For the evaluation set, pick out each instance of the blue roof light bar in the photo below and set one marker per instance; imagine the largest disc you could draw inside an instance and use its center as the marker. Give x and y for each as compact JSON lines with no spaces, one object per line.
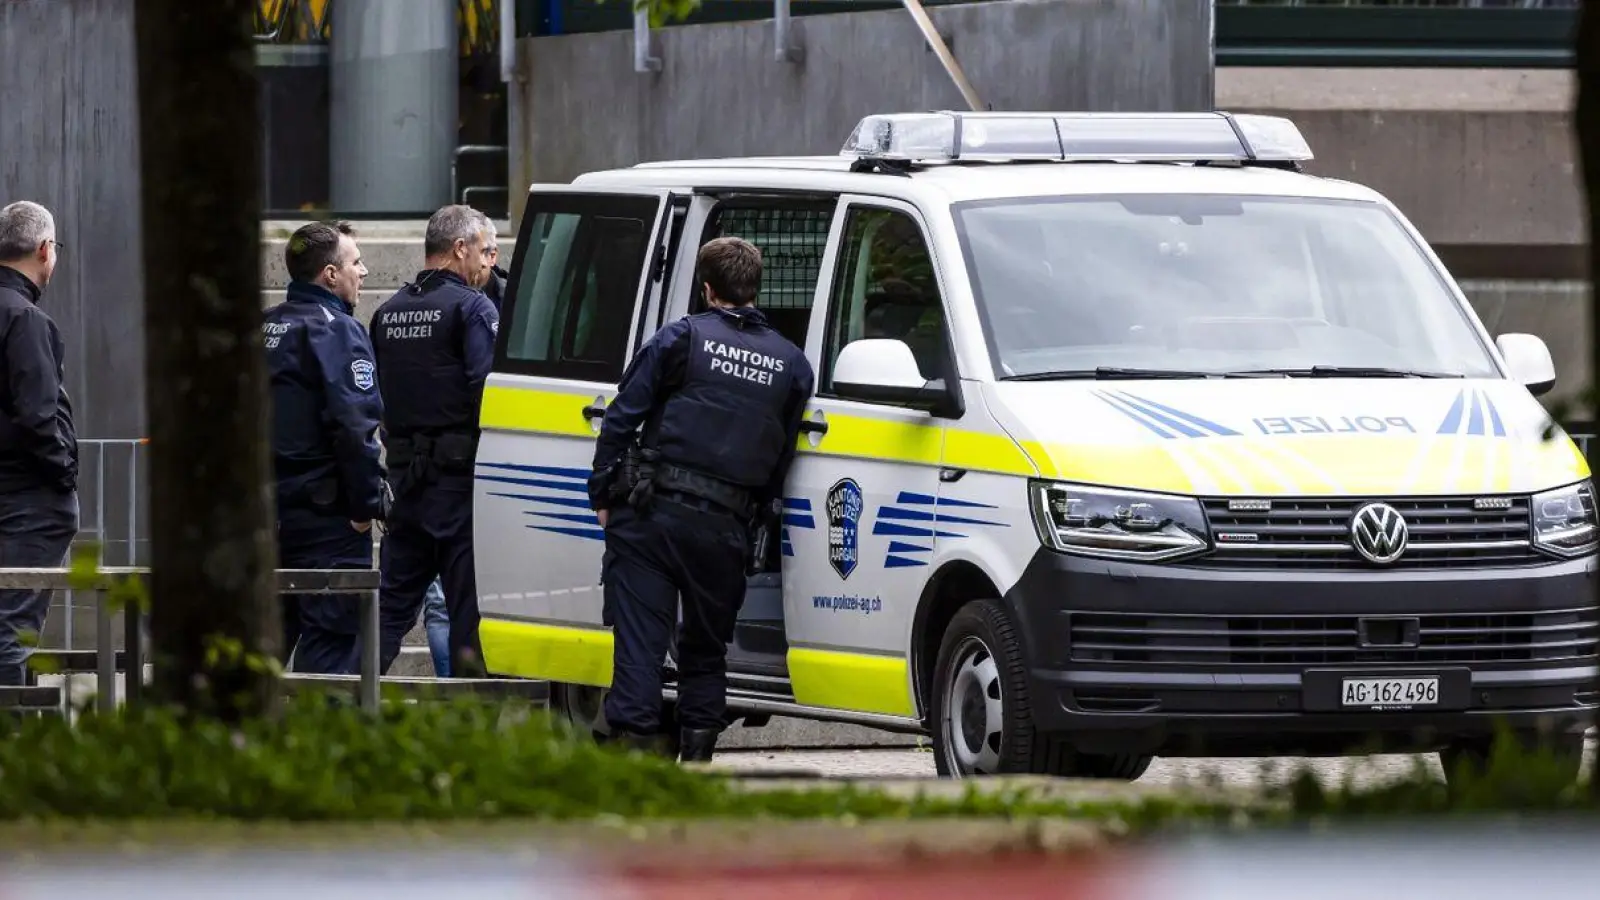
{"x":1134,"y":137}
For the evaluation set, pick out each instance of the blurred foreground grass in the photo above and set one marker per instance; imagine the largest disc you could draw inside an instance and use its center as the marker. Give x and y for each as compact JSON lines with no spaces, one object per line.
{"x":477,"y":770}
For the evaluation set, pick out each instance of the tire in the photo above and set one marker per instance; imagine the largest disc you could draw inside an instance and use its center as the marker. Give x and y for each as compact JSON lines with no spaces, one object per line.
{"x":582,"y":707}
{"x":982,"y":715}
{"x":1475,"y":753}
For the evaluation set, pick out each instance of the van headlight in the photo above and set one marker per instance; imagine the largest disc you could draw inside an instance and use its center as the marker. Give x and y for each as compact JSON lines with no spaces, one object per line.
{"x":1564,"y":521}
{"x":1116,"y":524}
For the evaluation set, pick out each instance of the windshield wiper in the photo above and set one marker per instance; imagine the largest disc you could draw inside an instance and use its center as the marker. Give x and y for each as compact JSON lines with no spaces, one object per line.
{"x":1357,"y":372}
{"x":1110,"y":373}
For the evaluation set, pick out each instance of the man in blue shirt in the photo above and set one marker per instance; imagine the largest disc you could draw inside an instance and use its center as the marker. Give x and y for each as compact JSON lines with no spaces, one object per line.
{"x":326,"y":411}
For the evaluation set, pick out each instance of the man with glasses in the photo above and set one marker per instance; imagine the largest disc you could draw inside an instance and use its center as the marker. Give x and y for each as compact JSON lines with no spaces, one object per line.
{"x":38,"y":442}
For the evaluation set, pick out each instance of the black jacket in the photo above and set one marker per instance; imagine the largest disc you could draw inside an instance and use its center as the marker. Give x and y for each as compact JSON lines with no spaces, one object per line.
{"x":495,"y":288}
{"x":38,"y":443}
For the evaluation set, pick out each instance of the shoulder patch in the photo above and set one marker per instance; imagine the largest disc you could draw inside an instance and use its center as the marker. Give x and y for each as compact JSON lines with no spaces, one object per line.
{"x":361,"y":371}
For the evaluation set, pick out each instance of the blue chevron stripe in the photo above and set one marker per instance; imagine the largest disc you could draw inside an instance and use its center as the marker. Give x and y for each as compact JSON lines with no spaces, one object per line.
{"x":593,"y":534}
{"x":1122,"y":407}
{"x":539,"y":470}
{"x":930,"y":500}
{"x":538,"y":483}
{"x":1151,"y":407}
{"x":901,"y":562}
{"x":574,"y":502}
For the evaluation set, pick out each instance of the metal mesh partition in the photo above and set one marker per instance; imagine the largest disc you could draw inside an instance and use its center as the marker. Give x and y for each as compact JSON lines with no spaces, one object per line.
{"x":791,"y":241}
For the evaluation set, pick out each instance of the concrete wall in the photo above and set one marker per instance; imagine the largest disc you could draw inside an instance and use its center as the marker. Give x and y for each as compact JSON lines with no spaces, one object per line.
{"x":70,"y":141}
{"x":1483,"y":161}
{"x":578,"y":105}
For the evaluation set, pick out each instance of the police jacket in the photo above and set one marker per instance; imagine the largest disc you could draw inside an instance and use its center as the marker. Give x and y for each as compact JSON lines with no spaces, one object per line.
{"x":38,"y":442}
{"x":719,"y":393}
{"x":434,"y":341}
{"x":325,"y":406}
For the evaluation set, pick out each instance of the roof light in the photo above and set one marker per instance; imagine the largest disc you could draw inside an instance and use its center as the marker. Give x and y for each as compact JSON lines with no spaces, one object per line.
{"x":1177,"y":137}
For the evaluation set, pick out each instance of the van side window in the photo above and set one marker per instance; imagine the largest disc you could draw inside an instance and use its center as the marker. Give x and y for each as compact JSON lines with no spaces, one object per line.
{"x":791,"y":236}
{"x":885,"y":288}
{"x":579,"y":263}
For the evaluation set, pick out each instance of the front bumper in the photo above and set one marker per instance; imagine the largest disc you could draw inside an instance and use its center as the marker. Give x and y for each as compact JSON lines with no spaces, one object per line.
{"x":1175,"y":660}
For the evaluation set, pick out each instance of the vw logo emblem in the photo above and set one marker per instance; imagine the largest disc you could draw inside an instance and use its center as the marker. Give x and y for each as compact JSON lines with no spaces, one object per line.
{"x":1379,"y":533}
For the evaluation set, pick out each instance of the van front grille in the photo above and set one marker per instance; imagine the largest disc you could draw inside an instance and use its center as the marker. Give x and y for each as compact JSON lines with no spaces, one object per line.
{"x":1444,"y":532}
{"x":1440,"y":639}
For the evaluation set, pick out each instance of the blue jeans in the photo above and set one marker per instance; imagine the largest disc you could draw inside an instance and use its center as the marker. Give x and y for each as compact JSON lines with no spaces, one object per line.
{"x":436,"y":618}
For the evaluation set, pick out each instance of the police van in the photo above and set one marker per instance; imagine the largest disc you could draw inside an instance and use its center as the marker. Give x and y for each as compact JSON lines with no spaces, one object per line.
{"x":1130,"y":439}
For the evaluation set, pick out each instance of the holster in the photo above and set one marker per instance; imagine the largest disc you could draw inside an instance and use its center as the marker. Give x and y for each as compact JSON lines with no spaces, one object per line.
{"x":634,"y":483}
{"x":761,"y":535}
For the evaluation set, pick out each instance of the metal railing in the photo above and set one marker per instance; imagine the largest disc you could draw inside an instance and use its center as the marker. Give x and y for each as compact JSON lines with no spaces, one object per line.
{"x":363,"y":582}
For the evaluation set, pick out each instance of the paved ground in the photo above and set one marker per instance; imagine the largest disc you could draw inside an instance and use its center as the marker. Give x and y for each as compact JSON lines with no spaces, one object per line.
{"x":1231,"y":772}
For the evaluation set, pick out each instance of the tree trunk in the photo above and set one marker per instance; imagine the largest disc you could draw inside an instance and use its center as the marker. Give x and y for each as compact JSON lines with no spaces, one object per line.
{"x":1586,"y":123}
{"x":214,"y":609}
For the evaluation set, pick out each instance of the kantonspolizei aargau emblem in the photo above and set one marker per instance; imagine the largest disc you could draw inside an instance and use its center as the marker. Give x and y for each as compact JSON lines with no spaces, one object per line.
{"x":844,"y":526}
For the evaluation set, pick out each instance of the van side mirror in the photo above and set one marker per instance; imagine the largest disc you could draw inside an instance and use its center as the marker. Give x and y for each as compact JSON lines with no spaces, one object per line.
{"x":1528,"y":358}
{"x":880,"y":370}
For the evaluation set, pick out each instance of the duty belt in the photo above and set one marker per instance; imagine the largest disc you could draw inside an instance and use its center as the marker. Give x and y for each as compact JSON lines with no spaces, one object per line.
{"x":641,"y":473}
{"x":414,"y":458}
{"x":732,"y":497}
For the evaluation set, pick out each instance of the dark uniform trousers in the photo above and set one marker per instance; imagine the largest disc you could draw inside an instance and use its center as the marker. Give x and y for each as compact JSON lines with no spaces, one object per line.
{"x":428,"y":535}
{"x":37,"y":526}
{"x":679,"y":547}
{"x":323,"y":630}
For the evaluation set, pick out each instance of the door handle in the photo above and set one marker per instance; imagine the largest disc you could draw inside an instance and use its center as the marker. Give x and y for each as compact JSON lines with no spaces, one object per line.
{"x":807,"y":426}
{"x":594,"y":411}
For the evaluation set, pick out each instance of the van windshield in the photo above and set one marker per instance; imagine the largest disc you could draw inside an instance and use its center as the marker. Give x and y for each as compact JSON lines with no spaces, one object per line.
{"x":1209,"y":284}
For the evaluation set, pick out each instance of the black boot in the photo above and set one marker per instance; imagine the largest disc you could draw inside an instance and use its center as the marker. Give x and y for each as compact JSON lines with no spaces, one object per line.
{"x":697,"y":744}
{"x":649,"y":744}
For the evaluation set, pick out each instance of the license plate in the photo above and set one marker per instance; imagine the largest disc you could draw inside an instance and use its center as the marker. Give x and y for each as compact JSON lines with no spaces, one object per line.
{"x":1391,"y":693}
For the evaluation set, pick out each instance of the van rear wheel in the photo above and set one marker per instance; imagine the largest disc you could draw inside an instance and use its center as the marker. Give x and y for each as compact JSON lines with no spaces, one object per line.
{"x":582,"y":707}
{"x":982,"y":714}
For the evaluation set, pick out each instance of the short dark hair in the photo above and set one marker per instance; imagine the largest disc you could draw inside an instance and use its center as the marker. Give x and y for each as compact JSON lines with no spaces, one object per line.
{"x":732,"y":266}
{"x":312,"y":247}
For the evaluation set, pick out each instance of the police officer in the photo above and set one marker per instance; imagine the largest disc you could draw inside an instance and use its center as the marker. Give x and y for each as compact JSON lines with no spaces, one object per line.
{"x":325,"y":453}
{"x":434,"y":341}
{"x":495,"y":287}
{"x":38,"y":442}
{"x":716,"y":399}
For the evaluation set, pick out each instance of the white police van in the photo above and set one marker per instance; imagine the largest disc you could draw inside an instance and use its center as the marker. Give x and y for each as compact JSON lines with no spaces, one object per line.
{"x":1130,"y":439}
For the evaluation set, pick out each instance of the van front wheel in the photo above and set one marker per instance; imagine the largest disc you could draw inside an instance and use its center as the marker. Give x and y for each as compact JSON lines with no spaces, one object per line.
{"x":982,"y":723}
{"x":982,"y":714}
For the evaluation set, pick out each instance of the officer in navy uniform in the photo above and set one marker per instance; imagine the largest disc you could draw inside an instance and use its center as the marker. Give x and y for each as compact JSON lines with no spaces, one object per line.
{"x":434,"y":341}
{"x":716,"y":400}
{"x":325,"y":454}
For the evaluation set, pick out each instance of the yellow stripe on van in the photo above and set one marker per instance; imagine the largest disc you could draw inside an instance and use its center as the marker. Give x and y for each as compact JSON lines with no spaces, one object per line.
{"x":540,"y":412}
{"x":851,"y":681}
{"x":551,"y":652}
{"x":553,"y":412}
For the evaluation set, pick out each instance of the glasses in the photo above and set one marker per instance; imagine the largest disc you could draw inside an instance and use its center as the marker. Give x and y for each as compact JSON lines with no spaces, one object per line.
{"x":59,"y":247}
